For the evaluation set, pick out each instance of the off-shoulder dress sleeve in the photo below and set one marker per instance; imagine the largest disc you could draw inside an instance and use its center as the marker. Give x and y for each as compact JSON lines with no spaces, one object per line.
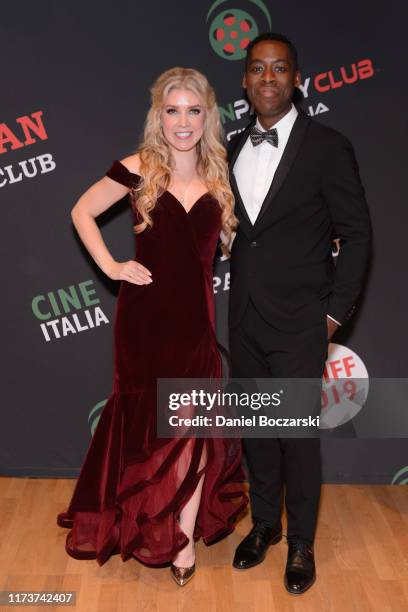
{"x":119,"y":173}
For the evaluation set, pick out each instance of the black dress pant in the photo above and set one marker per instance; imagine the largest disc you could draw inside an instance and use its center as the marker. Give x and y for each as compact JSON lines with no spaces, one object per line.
{"x":261,"y":351}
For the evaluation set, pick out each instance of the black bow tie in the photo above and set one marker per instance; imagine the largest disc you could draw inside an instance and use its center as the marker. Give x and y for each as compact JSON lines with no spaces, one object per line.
{"x":257,"y":136}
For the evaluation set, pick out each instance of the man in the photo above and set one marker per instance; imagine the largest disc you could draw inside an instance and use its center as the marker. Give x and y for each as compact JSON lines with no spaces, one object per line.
{"x":297,"y":187}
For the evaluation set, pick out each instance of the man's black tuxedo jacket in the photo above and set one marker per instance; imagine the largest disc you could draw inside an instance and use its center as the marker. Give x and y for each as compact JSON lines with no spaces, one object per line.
{"x":284,"y":261}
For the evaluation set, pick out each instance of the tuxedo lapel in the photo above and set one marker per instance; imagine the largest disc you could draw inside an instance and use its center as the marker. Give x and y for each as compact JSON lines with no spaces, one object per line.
{"x":245,"y":222}
{"x":235,"y":149}
{"x":241,"y":211}
{"x":296,"y":137}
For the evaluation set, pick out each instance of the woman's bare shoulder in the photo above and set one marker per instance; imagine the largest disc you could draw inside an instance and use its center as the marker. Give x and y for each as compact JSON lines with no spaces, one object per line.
{"x":132,"y":163}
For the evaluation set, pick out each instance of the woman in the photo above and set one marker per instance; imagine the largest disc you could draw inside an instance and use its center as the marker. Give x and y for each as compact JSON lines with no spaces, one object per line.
{"x":137,"y":494}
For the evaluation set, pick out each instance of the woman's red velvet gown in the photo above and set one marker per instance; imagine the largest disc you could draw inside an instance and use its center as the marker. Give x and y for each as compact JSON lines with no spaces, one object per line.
{"x":133,"y":484}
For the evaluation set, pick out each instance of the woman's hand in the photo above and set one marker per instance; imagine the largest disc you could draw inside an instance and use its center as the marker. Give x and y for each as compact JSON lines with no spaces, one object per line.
{"x":130,"y":271}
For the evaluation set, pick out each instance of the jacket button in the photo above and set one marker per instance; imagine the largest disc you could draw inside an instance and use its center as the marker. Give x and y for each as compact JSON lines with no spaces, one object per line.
{"x":253,"y":244}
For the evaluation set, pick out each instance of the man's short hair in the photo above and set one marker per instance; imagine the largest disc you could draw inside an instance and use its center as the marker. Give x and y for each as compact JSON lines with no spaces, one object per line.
{"x":273,"y":36}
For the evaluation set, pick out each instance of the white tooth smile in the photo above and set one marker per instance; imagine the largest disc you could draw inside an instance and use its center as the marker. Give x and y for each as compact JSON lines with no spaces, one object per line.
{"x":183,"y":134}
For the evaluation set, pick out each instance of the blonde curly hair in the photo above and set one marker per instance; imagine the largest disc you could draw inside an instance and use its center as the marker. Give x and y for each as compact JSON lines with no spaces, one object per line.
{"x":156,"y":162}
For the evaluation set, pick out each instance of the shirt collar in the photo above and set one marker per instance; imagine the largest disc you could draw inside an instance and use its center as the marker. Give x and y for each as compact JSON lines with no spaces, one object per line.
{"x":284,"y":124}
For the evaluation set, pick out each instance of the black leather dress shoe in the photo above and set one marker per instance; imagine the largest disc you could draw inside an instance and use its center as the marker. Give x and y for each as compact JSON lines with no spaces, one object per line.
{"x":252,"y":549}
{"x":300,"y":571}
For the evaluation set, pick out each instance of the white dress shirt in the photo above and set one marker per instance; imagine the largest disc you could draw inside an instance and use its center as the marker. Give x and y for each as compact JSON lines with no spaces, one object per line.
{"x":263,"y":161}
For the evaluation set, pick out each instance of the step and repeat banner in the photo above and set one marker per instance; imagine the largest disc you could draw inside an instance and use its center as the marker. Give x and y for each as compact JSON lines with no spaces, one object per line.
{"x":75,"y":92}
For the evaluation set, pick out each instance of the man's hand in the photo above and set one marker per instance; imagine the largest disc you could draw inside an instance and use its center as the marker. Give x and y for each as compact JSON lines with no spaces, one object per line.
{"x":331,"y":327}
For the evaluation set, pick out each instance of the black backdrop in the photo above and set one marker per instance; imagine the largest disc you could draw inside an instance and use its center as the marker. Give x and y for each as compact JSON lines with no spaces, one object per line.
{"x":75,"y":79}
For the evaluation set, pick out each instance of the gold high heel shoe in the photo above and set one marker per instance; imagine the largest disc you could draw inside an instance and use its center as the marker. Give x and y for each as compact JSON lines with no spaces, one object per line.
{"x":182,"y":575}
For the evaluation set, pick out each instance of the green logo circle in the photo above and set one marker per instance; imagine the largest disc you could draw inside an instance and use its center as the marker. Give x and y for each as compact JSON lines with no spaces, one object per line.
{"x":231,"y":32}
{"x":94,"y":415}
{"x":401,"y":477}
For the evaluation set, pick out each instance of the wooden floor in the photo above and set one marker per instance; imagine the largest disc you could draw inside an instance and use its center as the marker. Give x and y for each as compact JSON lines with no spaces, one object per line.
{"x":361,"y":554}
